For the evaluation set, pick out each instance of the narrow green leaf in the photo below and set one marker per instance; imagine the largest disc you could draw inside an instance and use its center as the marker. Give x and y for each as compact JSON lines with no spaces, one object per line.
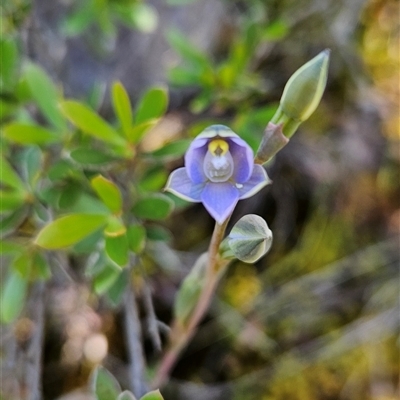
{"x":122,"y":106}
{"x":8,"y":176}
{"x":10,"y":200}
{"x":88,"y":156}
{"x":116,"y":292}
{"x":108,"y":192}
{"x":136,"y":238}
{"x":28,"y":134}
{"x":152,"y":105}
{"x":13,"y":297}
{"x":68,"y":230}
{"x":153,"y":207}
{"x":8,"y":62}
{"x":154,"y":395}
{"x":91,"y":123}
{"x":23,"y":264}
{"x":154,"y":179}
{"x":136,"y":133}
{"x":117,"y":249}
{"x":40,"y":268}
{"x":104,"y":385}
{"x":10,"y":247}
{"x":45,"y":94}
{"x":179,"y":76}
{"x":11,"y":222}
{"x":30,"y":162}
{"x":126,"y":395}
{"x":105,"y":279}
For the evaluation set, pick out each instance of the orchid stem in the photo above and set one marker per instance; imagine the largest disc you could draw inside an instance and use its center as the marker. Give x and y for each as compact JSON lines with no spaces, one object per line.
{"x":181,"y":335}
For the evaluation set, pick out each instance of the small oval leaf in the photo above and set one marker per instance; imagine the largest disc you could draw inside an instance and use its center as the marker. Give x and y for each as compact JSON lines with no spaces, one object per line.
{"x":68,"y":230}
{"x":91,"y":123}
{"x":29,"y":134}
{"x":153,"y":207}
{"x":108,"y":192}
{"x":13,"y":295}
{"x":104,"y":385}
{"x":152,"y":105}
{"x":122,"y":106}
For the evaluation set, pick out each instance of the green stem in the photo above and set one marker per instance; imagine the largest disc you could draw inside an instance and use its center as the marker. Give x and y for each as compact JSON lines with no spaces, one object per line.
{"x":181,"y":335}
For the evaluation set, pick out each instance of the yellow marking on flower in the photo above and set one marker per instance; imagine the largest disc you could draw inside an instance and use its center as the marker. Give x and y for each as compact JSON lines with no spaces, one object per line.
{"x":218,"y":147}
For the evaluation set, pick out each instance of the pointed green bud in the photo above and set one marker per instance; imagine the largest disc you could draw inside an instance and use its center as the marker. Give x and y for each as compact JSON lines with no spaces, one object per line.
{"x":302,"y":93}
{"x":250,"y":238}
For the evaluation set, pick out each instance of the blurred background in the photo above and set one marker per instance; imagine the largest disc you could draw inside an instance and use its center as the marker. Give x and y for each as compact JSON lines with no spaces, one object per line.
{"x":318,"y":317}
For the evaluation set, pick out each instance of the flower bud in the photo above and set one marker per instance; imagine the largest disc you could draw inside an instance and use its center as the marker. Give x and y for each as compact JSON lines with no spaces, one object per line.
{"x":302,"y":93}
{"x":250,"y":238}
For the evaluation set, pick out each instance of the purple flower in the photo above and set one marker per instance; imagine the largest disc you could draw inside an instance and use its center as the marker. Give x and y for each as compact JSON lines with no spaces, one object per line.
{"x":219,"y":171}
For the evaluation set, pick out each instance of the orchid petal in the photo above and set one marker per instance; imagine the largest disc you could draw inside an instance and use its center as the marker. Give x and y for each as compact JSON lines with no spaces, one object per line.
{"x":242,"y":156}
{"x":194,"y":160}
{"x":181,"y":185}
{"x":257,"y":181}
{"x":220,"y":199}
{"x":217,"y":130}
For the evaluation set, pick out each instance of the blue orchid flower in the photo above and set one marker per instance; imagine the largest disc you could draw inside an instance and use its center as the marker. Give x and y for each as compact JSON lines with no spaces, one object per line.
{"x":219,"y":171}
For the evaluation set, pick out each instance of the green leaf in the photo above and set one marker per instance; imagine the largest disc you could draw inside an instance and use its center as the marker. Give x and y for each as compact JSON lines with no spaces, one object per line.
{"x":104,"y":385}
{"x":154,"y":179}
{"x":30,"y":163}
{"x":154,"y":395}
{"x":122,"y":106}
{"x":158,"y":233}
{"x":91,"y":123}
{"x":179,"y":76}
{"x":152,"y":105}
{"x":10,"y":247}
{"x":45,"y":94}
{"x":137,"y":132}
{"x":172,"y":150}
{"x":28,"y":134}
{"x":115,"y":227}
{"x":186,"y":49}
{"x":40,"y":268}
{"x":108,"y":192}
{"x":136,"y":238}
{"x":190,"y":289}
{"x":276,"y":30}
{"x":23,"y":264}
{"x":8,"y":62}
{"x":153,"y":207}
{"x":13,"y":297}
{"x":69,"y":195}
{"x":88,"y":156}
{"x":9,"y":177}
{"x":68,"y":230}
{"x":126,"y":395}
{"x":10,"y":200}
{"x":10,"y":223}
{"x":116,"y":292}
{"x":105,"y":279}
{"x":117,"y":249}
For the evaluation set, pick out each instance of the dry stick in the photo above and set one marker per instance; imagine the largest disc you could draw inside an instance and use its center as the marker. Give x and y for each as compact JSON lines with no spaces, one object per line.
{"x":133,"y":335}
{"x":180,"y":336}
